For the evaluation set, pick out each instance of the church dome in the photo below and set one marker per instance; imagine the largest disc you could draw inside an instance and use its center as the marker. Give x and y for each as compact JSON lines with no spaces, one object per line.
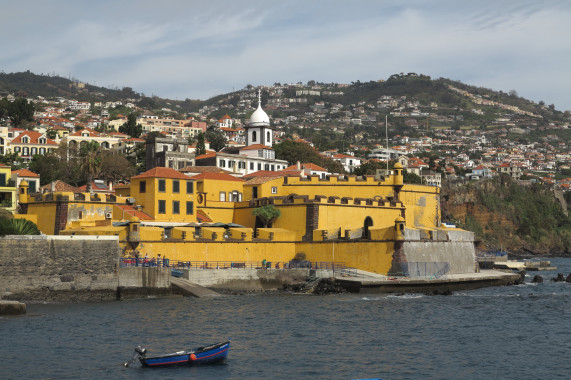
{"x":259,"y":118}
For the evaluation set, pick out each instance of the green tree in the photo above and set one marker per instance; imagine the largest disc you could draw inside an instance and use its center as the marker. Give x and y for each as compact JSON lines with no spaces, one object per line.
{"x":267,"y":214}
{"x":216,"y":138}
{"x":17,"y":111}
{"x":91,"y":162}
{"x":115,"y":167}
{"x":200,"y":146}
{"x":131,"y":127}
{"x":10,"y":226}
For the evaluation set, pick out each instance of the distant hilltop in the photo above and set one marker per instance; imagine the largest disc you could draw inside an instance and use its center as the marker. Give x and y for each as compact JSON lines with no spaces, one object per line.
{"x":420,"y":91}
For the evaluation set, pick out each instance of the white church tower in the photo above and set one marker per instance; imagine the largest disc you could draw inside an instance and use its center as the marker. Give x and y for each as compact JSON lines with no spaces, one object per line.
{"x":258,"y":129}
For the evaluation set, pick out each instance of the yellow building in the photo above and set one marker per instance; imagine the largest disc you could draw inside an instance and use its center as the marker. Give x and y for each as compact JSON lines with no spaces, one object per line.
{"x":165,"y":194}
{"x":8,"y":200}
{"x":370,"y":223}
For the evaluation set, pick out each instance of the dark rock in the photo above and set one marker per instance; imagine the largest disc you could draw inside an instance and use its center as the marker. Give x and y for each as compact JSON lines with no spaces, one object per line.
{"x":568,"y":279}
{"x":559,"y":278}
{"x":537,"y":279}
{"x":521,"y":279}
{"x":327,"y":285}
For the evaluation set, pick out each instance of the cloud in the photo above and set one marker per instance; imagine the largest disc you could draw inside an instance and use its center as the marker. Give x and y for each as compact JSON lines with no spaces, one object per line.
{"x":198,"y":49}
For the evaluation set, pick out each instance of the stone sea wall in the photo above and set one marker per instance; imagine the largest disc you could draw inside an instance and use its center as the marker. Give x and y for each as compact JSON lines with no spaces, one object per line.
{"x":455,"y":247}
{"x":58,"y":267}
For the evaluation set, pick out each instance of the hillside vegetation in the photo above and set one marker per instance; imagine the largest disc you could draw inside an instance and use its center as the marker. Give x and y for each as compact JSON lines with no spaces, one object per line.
{"x":505,"y":215}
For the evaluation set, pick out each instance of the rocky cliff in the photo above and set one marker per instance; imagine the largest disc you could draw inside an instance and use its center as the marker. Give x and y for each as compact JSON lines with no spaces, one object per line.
{"x":523,"y":219}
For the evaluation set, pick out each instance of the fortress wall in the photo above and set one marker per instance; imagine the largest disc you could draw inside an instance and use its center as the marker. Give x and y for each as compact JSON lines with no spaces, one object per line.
{"x":43,"y":264}
{"x":460,"y":255}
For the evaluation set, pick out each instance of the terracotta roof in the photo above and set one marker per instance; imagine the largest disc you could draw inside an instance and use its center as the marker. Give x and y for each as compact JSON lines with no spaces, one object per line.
{"x":345,"y":156}
{"x":261,"y":180}
{"x":202,"y":217}
{"x":256,"y":146}
{"x":267,"y":173}
{"x":206,"y":155}
{"x":89,"y":130}
{"x":203,"y":169}
{"x":132,"y":211}
{"x":161,"y":172}
{"x":25,"y":173}
{"x":217,"y":177}
{"x":59,"y":186}
{"x":309,"y":165}
{"x":34,"y":136}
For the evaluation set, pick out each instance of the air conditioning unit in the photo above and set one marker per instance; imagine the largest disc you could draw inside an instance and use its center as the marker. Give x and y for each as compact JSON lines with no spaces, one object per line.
{"x":108,"y":215}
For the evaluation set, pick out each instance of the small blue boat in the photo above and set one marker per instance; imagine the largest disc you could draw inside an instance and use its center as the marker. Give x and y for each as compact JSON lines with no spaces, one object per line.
{"x":201,"y":355}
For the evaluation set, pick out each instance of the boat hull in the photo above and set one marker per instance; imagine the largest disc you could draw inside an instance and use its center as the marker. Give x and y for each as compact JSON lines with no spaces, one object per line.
{"x":203,"y":355}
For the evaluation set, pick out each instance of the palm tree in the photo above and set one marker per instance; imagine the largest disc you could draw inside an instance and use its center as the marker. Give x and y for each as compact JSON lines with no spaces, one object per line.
{"x":91,"y":162}
{"x":18,"y":227}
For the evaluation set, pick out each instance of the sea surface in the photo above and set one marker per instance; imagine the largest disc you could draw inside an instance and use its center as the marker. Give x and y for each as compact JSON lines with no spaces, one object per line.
{"x":515,"y":332}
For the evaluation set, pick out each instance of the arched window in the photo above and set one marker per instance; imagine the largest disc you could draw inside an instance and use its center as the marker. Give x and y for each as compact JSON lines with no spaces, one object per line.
{"x":268,"y":139}
{"x":254,"y":136}
{"x":367,"y":225}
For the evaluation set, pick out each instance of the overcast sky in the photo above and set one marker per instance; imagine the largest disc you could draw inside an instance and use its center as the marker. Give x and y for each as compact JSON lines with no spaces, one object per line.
{"x":198,"y":49}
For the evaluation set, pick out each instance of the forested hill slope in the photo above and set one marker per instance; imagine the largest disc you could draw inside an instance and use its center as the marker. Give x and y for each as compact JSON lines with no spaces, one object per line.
{"x":521,"y":219}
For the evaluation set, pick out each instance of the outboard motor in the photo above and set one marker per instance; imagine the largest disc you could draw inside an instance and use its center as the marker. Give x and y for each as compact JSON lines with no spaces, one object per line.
{"x":139,"y":353}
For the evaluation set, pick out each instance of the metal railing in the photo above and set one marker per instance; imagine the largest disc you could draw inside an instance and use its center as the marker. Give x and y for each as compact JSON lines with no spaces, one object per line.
{"x":181,"y":264}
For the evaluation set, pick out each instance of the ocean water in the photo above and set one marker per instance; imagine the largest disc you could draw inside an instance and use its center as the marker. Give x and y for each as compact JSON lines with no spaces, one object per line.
{"x":493,"y":333}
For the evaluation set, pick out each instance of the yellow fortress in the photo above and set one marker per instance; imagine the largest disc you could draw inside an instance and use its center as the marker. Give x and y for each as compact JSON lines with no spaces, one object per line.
{"x":372,"y":223}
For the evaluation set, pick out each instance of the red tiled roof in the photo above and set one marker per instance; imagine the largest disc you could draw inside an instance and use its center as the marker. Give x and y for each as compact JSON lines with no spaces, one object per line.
{"x":26,"y":173}
{"x":217,"y":177}
{"x":206,"y":155}
{"x":34,"y":136}
{"x":256,"y":146}
{"x":309,"y":165}
{"x":203,"y":169}
{"x":161,"y":172}
{"x":267,"y":173}
{"x":132,"y":211}
{"x":89,"y":130}
{"x":202,"y":217}
{"x":60,"y":186}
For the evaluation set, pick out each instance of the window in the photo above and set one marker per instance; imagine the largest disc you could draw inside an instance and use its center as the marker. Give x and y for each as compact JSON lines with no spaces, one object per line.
{"x":162,"y":185}
{"x":254,"y":136}
{"x":80,"y":215}
{"x":25,"y":140}
{"x":222,"y":163}
{"x":176,"y":207}
{"x":189,"y":187}
{"x":251,"y":166}
{"x":142,"y":187}
{"x":42,"y":151}
{"x":34,"y":151}
{"x":16,"y":149}
{"x":175,"y":186}
{"x":259,"y":166}
{"x":189,"y":208}
{"x":274,"y":189}
{"x":222,"y":196}
{"x":162,"y":207}
{"x":268,"y":137}
{"x":235,"y":196}
{"x":25,"y":151}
